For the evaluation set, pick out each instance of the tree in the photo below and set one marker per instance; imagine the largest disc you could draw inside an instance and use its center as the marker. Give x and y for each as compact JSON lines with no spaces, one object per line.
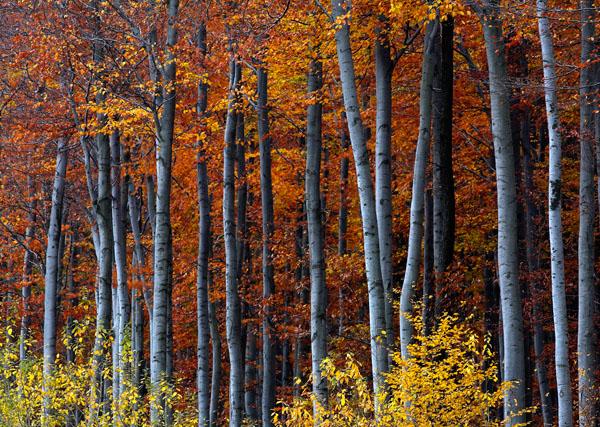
{"x":559,"y":303}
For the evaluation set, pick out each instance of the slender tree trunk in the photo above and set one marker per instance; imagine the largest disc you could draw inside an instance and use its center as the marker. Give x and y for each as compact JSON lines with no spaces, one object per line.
{"x":266,"y":191}
{"x":557,"y":259}
{"x":250,"y":374}
{"x":27,"y":270}
{"x":443,"y":179}
{"x":379,"y":357}
{"x":343,"y":215}
{"x":318,"y":288}
{"x":162,"y":233}
{"x":383,"y":171}
{"x":51,"y":275}
{"x":415,"y":238}
{"x":585,"y":324}
{"x":508,"y":265}
{"x":120,"y":250}
{"x":203,"y":381}
{"x":233,"y":309}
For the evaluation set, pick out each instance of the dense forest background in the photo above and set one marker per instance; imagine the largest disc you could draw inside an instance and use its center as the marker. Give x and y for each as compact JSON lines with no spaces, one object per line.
{"x":299,"y":213}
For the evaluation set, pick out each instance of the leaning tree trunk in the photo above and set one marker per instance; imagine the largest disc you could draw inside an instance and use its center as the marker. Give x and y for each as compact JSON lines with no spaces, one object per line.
{"x":415,"y":236}
{"x":266,"y":192}
{"x":557,"y":259}
{"x":379,"y":356}
{"x":233,"y":308}
{"x":508,"y":264}
{"x":585,"y":324}
{"x":318,"y":288}
{"x":52,"y":266}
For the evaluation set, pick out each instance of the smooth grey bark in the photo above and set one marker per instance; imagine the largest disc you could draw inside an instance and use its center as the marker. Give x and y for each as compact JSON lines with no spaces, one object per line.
{"x":318,"y":287}
{"x":557,"y":258}
{"x":51,"y":278}
{"x":162,"y":233}
{"x":203,"y":354}
{"x":123,"y":313}
{"x":266,"y":192}
{"x":508,"y":264}
{"x":586,"y":350}
{"x":379,"y":354}
{"x":443,"y":178}
{"x":27,"y":270}
{"x":233,"y":307}
{"x":103,"y":216}
{"x":383,"y":171}
{"x":417,"y":204}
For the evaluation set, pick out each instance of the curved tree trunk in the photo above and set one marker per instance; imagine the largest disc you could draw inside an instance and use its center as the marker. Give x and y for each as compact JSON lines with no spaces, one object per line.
{"x":52,"y":266}
{"x":557,"y":259}
{"x":417,"y":205}
{"x":379,"y":354}
{"x":508,"y":264}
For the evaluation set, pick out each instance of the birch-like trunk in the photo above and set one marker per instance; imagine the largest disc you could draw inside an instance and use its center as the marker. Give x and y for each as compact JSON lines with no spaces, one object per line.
{"x":417,"y":204}
{"x":557,"y":258}
{"x":266,"y":192}
{"x":379,"y":356}
{"x":508,"y":264}
{"x":52,"y":266}
{"x":585,"y":323}
{"x":343,"y":215}
{"x":123,"y":313}
{"x":233,"y":308}
{"x":318,"y":288}
{"x":216,"y":372}
{"x":383,"y":172}
{"x":203,"y":350}
{"x":162,"y":233}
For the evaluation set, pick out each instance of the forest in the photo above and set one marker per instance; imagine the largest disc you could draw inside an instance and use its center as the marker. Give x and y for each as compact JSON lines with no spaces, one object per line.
{"x":282,"y":213}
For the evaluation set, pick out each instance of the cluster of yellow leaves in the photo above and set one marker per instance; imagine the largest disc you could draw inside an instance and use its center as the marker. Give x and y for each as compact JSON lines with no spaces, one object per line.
{"x":67,"y":392}
{"x":424,"y":12}
{"x":443,"y":383}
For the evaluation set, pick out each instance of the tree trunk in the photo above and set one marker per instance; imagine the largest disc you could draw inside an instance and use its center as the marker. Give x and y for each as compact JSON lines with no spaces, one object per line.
{"x":51,"y":274}
{"x":508,"y":265}
{"x":343,"y":215}
{"x":123,"y":313}
{"x":266,"y":192}
{"x":379,"y":357}
{"x":415,"y":237}
{"x":557,"y":259}
{"x":383,"y":171}
{"x":585,"y":326}
{"x":233,"y":309}
{"x":203,"y":381}
{"x":162,"y":234}
{"x":443,"y":178}
{"x":215,"y":382}
{"x":318,"y":288}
